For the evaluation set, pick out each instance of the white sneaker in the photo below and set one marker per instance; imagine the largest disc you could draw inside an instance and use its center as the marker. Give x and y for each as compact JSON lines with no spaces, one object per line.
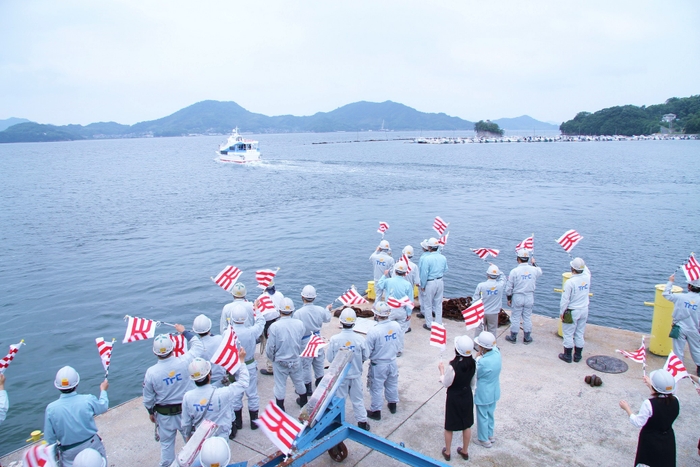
{"x":492,"y":439}
{"x":486,"y":444}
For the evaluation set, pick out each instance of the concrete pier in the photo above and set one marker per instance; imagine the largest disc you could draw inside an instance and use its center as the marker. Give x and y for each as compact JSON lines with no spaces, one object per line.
{"x":547,"y":414}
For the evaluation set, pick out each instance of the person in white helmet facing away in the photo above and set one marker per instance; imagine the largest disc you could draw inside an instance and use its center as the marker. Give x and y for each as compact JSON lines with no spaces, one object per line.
{"x":247,"y":337}
{"x":215,"y":452}
{"x":70,"y":420}
{"x":206,"y":402}
{"x":313,"y":317}
{"x":352,"y":385}
{"x":459,"y":380}
{"x":488,"y":387}
{"x":413,"y":276}
{"x":89,"y":458}
{"x":657,"y":441}
{"x":164,"y":386}
{"x":383,"y":373}
{"x":573,"y":310}
{"x":520,"y":293}
{"x":4,"y":400}
{"x":398,"y":287}
{"x":283,"y":349}
{"x":202,"y":327}
{"x":381,"y":261}
{"x":686,"y":313}
{"x":421,"y":293}
{"x":432,"y":266}
{"x":491,"y":294}
{"x":239,"y":293}
{"x":270,"y":317}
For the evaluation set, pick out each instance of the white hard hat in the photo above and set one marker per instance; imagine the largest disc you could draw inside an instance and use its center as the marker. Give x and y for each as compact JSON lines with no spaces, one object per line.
{"x":308,"y":292}
{"x":199,"y":369}
{"x":238,"y":313}
{"x":66,"y":378}
{"x":424,"y":244}
{"x":287,"y":306}
{"x":401,"y":267}
{"x":695,"y":283}
{"x":162,"y":345}
{"x":89,"y":458}
{"x":201,"y":324}
{"x":464,"y":345}
{"x":662,"y":381}
{"x":383,"y":245}
{"x":433,"y":242}
{"x":381,"y":309}
{"x":493,"y":271}
{"x":408,"y":251}
{"x":348,"y":316}
{"x":523,"y":253}
{"x":215,"y":452}
{"x":238,"y":290}
{"x":485,"y":340}
{"x":577,"y":264}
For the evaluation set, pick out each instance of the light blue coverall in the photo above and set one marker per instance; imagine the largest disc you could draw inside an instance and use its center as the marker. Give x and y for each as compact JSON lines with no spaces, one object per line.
{"x":313,"y":317}
{"x":352,"y":385}
{"x":247,"y":336}
{"x":575,"y":298}
{"x":432,"y":266}
{"x":488,"y":391}
{"x":383,"y":344}
{"x":685,"y":314}
{"x":283,"y":350}
{"x":521,"y":284}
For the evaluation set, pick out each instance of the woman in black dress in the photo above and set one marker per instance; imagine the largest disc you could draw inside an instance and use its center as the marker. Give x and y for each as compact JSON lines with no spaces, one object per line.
{"x":657,"y":442}
{"x":459,"y":406}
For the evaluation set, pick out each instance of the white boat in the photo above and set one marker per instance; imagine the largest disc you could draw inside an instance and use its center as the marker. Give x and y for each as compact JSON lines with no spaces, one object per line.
{"x":238,"y":150}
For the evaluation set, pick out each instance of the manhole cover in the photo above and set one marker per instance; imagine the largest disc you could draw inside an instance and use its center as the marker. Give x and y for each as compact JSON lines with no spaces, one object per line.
{"x":607,"y":364}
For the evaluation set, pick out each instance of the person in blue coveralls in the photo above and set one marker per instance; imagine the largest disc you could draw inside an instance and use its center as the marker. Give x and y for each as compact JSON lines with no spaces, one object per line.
{"x":520,"y":293}
{"x":398,"y":287}
{"x":432,"y":266}
{"x":574,"y":298}
{"x":685,"y":316}
{"x":491,"y":294}
{"x":383,"y":373}
{"x":70,"y":420}
{"x":381,"y":260}
{"x":313,"y":317}
{"x":164,"y":386}
{"x":488,"y":387}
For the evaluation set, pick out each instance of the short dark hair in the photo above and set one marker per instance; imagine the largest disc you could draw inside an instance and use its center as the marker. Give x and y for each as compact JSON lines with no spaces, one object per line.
{"x":68,"y":391}
{"x":203,"y":382}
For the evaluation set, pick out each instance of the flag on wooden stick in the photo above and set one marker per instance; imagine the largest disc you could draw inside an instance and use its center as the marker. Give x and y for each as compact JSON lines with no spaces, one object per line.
{"x":400,"y":302}
{"x":227,"y":278}
{"x":675,"y":366}
{"x":264,"y":277}
{"x":226,"y":354}
{"x":352,"y":297}
{"x":691,"y":268}
{"x":439,"y":225}
{"x":279,"y":427}
{"x":105,"y":350}
{"x":474,"y":314}
{"x":179,"y":344}
{"x":438,"y":336}
{"x":569,"y":240}
{"x":138,"y":329}
{"x":383,"y":227}
{"x":5,"y":362}
{"x":527,"y":244}
{"x":315,"y":344}
{"x":483,"y":253}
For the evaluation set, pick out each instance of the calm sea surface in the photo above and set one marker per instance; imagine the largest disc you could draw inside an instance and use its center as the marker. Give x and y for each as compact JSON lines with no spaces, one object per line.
{"x":94,"y":230}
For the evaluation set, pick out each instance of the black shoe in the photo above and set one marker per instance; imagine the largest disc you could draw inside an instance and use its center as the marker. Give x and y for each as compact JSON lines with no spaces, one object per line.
{"x":374,"y":414}
{"x":239,"y":418}
{"x":392,"y":407}
{"x":302,"y":400}
{"x":234,"y":430}
{"x":253,"y":416}
{"x":309,"y":391}
{"x":363,"y":425}
{"x":407,"y":331}
{"x":566,"y":356}
{"x":526,"y":338}
{"x":280,"y":403}
{"x":265,"y":372}
{"x":318,"y":381}
{"x":513,"y":338}
{"x":425,"y":326}
{"x":577,"y":354}
{"x":420,"y":315}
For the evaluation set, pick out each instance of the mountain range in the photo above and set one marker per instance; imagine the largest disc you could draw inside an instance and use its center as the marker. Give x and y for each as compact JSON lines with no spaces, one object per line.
{"x":215,"y":117}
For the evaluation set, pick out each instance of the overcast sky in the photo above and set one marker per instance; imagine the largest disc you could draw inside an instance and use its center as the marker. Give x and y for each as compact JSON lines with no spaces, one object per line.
{"x":83,"y":61}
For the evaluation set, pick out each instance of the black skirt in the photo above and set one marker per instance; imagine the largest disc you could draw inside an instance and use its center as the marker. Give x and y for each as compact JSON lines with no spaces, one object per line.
{"x":459,"y":406}
{"x":657,"y":442}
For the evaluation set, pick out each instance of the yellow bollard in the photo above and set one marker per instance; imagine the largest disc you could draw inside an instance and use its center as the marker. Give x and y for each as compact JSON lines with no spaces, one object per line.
{"x":34,"y":436}
{"x":564,"y":277}
{"x":370,"y":290}
{"x":661,"y":321}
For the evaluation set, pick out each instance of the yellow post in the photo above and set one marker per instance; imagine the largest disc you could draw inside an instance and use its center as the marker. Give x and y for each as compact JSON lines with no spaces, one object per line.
{"x":35,"y":436}
{"x":661,"y":321}
{"x":564,"y":277}
{"x":370,"y":290}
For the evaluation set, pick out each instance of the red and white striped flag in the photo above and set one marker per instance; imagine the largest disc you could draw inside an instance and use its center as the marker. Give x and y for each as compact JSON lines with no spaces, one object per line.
{"x":40,"y":455}
{"x":675,"y":366}
{"x":279,"y":427}
{"x":405,"y":259}
{"x":639,"y":355}
{"x":485,"y":252}
{"x":227,"y":278}
{"x":383,"y":227}
{"x":264,"y":277}
{"x":264,"y":304}
{"x":5,"y":362}
{"x":691,"y":269}
{"x":138,"y":329}
{"x":105,"y":350}
{"x":227,"y":353}
{"x":439,"y":225}
{"x":179,"y":344}
{"x":442,"y":240}
{"x":527,"y":244}
{"x":315,"y":344}
{"x":569,"y":240}
{"x":351,"y":297}
{"x":438,"y":336}
{"x":473,"y":314}
{"x":400,"y":302}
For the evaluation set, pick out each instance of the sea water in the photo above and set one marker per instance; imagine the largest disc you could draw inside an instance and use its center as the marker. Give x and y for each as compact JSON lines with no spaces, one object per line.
{"x":95,"y":230}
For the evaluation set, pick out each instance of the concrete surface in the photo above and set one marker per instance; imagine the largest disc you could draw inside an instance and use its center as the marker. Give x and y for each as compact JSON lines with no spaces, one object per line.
{"x":547,"y":415}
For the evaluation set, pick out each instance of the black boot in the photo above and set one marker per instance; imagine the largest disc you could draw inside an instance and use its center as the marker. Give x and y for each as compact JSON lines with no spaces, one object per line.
{"x":239,"y":418}
{"x":280,"y":403}
{"x":566,"y":356}
{"x":302,"y":400}
{"x":513,"y":338}
{"x":234,"y":430}
{"x":374,"y":414}
{"x":577,"y":353}
{"x":309,"y":391}
{"x":253,"y":416}
{"x":363,"y":425}
{"x":318,"y":381}
{"x":527,"y":339}
{"x":392,"y":407}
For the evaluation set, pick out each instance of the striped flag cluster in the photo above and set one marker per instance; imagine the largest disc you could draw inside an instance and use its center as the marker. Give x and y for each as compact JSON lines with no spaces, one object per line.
{"x":227,"y":278}
{"x":675,"y":366}
{"x":405,"y":259}
{"x":639,"y":355}
{"x":485,"y":252}
{"x":474,"y":314}
{"x":443,"y":240}
{"x":439,"y":225}
{"x":400,"y":302}
{"x":569,"y":240}
{"x":527,"y":244}
{"x":5,"y":362}
{"x":226,"y":354}
{"x":264,"y":277}
{"x":438,"y":336}
{"x":351,"y":297}
{"x":138,"y":329}
{"x":105,"y":350}
{"x":279,"y":427}
{"x":179,"y":344}
{"x":40,"y":455}
{"x":315,"y":344}
{"x":383,"y":227}
{"x":691,"y":269}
